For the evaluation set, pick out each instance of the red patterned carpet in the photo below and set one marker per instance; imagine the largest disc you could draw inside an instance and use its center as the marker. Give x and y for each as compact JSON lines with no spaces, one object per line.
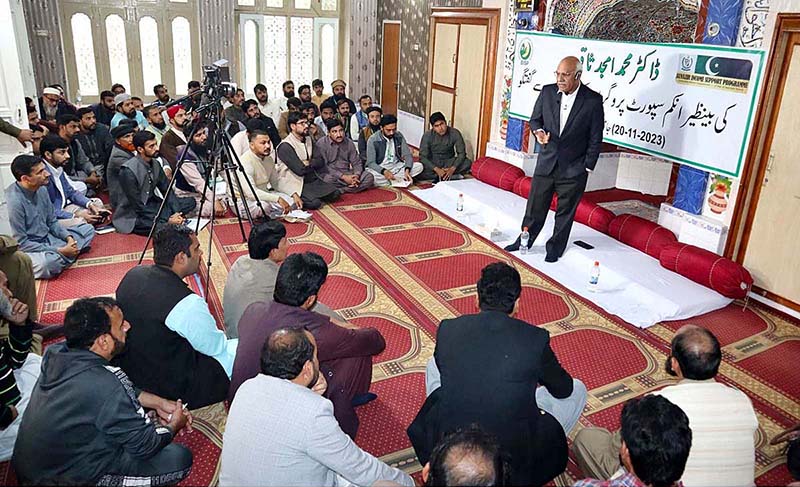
{"x":402,"y":267}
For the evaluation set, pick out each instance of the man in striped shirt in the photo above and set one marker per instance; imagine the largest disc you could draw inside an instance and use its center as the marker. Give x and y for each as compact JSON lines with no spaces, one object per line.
{"x":18,"y":369}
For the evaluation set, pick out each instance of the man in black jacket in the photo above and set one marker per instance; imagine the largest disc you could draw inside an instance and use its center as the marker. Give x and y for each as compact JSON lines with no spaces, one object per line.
{"x":86,"y":422}
{"x":568,"y":123}
{"x":95,"y":139}
{"x":490,"y":365}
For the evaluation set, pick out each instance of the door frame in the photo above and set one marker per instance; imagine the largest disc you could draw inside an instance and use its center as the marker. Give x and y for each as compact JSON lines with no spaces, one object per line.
{"x":490,"y":17}
{"x":757,"y":160}
{"x":383,"y":63}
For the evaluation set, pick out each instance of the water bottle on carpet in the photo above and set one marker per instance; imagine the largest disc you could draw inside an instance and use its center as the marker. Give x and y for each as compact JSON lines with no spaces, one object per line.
{"x":460,"y":202}
{"x":524,"y":237}
{"x":594,"y":277}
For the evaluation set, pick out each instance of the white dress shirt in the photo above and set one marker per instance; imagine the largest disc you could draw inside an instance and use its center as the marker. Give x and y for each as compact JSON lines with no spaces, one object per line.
{"x":567,"y":100}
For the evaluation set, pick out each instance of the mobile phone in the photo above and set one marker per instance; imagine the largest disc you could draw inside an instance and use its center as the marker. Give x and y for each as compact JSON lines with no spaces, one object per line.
{"x":583,"y":245}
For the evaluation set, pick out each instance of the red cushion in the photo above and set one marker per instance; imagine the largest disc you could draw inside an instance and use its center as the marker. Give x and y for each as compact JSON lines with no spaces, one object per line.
{"x":554,"y":202}
{"x":497,"y":173}
{"x":594,"y":216}
{"x":641,"y":234}
{"x":707,"y":268}
{"x":522,"y":186}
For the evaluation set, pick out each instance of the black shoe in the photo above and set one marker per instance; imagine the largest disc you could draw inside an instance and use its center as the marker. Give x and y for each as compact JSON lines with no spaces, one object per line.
{"x":361,"y":399}
{"x":513,"y":247}
{"x":551,"y":258}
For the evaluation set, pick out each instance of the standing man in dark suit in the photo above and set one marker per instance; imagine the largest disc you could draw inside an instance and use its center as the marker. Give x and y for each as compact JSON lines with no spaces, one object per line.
{"x":568,"y":123}
{"x":485,"y":370}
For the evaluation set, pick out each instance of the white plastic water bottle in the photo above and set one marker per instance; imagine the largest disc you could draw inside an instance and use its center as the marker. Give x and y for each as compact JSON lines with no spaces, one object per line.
{"x":524,"y":237}
{"x":594,"y":277}
{"x":460,"y":202}
{"x":78,"y":98}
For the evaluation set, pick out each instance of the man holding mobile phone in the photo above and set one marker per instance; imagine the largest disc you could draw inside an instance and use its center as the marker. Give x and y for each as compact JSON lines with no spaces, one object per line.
{"x":567,"y":121}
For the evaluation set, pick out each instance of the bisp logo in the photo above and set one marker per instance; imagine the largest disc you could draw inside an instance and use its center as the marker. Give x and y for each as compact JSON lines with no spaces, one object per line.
{"x":525,"y":50}
{"x":687,"y":63}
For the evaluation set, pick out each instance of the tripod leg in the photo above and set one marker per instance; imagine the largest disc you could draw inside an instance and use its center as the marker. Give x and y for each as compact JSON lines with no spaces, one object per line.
{"x":170,"y":188}
{"x":232,"y":176}
{"x":239,"y":166}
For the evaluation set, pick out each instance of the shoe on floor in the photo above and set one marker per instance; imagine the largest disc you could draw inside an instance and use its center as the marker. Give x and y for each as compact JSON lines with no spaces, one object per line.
{"x":361,"y":399}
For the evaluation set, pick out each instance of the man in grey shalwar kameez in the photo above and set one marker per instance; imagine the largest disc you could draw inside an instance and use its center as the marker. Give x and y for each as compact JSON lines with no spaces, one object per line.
{"x":339,"y":161}
{"x":51,"y":247}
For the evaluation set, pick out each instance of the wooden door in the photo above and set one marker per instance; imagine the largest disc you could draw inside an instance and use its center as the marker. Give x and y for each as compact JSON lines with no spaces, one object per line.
{"x":443,"y":69}
{"x":771,"y":251}
{"x":470,"y":80}
{"x":390,"y":67}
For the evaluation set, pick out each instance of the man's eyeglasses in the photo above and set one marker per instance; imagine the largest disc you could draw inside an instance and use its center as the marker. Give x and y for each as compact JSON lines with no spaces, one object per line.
{"x":566,"y":75}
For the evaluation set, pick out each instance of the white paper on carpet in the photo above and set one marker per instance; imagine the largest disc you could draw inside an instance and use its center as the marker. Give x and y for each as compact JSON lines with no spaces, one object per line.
{"x":632,"y":285}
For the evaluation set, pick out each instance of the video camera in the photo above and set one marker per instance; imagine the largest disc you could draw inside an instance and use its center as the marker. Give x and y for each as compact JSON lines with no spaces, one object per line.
{"x":217,"y":80}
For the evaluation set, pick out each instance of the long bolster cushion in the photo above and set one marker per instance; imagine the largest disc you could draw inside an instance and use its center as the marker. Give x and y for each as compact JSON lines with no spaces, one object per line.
{"x":708,"y":269}
{"x":497,"y":173}
{"x":641,"y":234}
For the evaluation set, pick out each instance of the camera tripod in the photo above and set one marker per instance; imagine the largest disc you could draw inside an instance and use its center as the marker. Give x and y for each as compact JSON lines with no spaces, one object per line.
{"x":221,"y":158}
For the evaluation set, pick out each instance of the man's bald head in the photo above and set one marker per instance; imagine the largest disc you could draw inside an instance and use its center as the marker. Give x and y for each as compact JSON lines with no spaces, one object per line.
{"x":286,"y":352}
{"x":697,"y":351}
{"x":467,"y":457}
{"x":568,"y":74}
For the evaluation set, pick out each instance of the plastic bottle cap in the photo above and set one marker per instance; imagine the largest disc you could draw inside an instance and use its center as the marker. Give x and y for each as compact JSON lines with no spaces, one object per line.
{"x":460,"y":194}
{"x":596,"y":263}
{"x":525,"y":229}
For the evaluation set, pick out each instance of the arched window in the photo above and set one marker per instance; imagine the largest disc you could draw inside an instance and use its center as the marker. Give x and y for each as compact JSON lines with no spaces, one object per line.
{"x":327,"y":53}
{"x":151,"y":57}
{"x":182,"y":52}
{"x":250,"y":55}
{"x":117,"y":50}
{"x":83,"y":43}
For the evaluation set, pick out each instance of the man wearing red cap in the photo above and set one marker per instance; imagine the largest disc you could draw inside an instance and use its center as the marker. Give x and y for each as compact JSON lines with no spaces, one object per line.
{"x":174,"y":137}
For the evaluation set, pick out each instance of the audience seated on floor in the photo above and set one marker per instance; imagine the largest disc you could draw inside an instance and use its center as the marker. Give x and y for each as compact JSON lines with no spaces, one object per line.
{"x":345,"y":350}
{"x":360,"y":117}
{"x":281,"y":431}
{"x":252,"y":277}
{"x":143,"y":186}
{"x":80,"y":169}
{"x":469,"y":456}
{"x":293,"y":105}
{"x":327,"y":111}
{"x":339,"y":88}
{"x":154,"y":114}
{"x":251,"y":111}
{"x":722,"y":419}
{"x":295,"y":165}
{"x":344,"y":115}
{"x":70,"y":205}
{"x":51,"y":247}
{"x":373,"y":125}
{"x":259,"y":168}
{"x":175,"y":349}
{"x":194,"y":180}
{"x":95,"y":139}
{"x":19,"y":368}
{"x":121,"y":153}
{"x":85,"y":422}
{"x":442,"y":151}
{"x":318,"y":98}
{"x":388,"y":154}
{"x":485,"y":370}
{"x":339,"y":162}
{"x":655,"y":444}
{"x":126,"y":109}
{"x":175,"y":136}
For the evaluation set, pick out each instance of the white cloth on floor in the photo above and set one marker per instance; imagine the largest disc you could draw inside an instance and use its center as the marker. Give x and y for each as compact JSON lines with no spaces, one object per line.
{"x":632,"y":285}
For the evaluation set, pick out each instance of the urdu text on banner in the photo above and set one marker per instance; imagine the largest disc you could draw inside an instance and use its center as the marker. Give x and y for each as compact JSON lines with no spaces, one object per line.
{"x":689,"y":103}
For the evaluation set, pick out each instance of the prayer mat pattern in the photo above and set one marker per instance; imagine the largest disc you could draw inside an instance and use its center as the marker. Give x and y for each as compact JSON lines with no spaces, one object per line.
{"x":401,"y":266}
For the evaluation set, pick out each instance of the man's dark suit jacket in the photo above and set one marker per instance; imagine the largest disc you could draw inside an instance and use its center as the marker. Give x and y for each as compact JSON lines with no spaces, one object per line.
{"x":490,"y":365}
{"x":578,"y":147}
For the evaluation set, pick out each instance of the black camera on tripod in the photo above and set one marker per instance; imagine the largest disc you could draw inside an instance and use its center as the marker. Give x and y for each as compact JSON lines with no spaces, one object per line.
{"x":217,"y":80}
